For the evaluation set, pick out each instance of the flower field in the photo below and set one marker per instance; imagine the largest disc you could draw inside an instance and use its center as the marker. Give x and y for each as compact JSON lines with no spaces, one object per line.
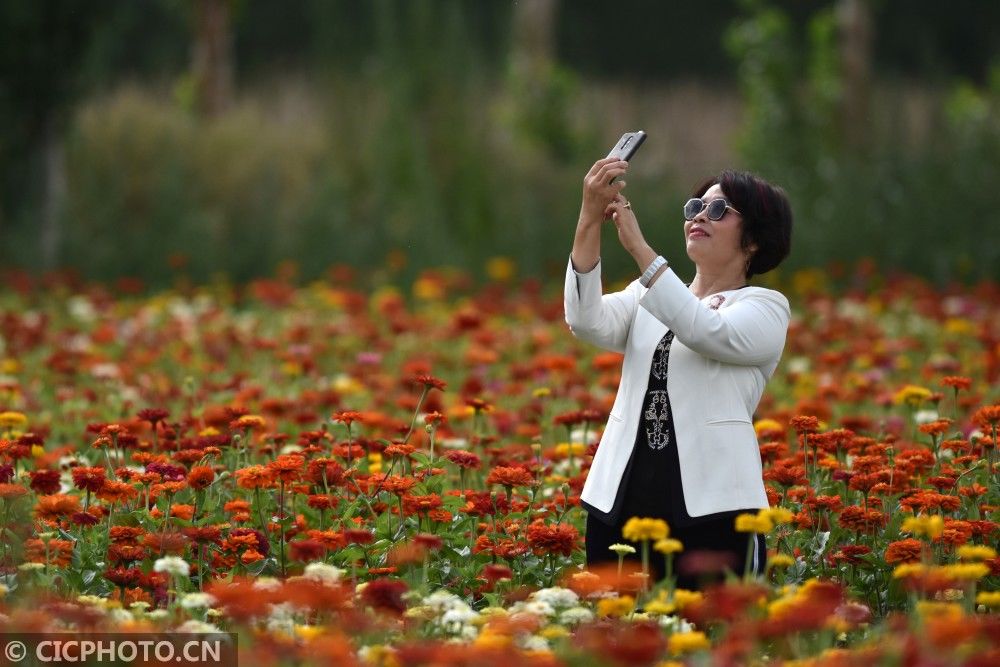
{"x":360,"y":476}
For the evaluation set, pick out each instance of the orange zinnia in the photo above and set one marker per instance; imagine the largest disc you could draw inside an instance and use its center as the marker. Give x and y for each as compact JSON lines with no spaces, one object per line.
{"x":200,"y":477}
{"x":12,"y":491}
{"x":987,"y":416}
{"x":287,"y":467}
{"x":422,"y":504}
{"x":510,"y":476}
{"x":957,"y":382}
{"x":116,"y":492}
{"x":254,"y":477}
{"x":54,"y":507}
{"x":805,"y":423}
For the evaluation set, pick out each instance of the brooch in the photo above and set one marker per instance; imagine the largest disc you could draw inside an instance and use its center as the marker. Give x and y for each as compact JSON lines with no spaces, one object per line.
{"x":716,"y":301}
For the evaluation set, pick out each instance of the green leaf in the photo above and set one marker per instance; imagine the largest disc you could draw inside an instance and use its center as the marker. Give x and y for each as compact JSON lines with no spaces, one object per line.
{"x":258,"y":567}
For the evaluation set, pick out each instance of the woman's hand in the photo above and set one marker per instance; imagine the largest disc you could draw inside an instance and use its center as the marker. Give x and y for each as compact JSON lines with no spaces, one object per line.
{"x":599,"y":191}
{"x":621,"y":213}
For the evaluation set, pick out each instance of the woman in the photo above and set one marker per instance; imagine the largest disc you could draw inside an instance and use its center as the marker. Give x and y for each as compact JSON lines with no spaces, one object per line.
{"x":679,"y":443}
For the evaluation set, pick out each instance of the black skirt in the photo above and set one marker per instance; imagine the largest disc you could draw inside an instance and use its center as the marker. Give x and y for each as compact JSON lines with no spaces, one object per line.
{"x":651,"y":486}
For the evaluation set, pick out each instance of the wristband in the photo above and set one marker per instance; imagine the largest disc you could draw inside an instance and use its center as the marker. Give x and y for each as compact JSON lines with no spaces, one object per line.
{"x":651,"y":270}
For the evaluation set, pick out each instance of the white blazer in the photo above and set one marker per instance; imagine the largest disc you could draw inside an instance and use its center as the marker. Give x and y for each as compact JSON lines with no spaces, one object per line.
{"x":719,"y":362}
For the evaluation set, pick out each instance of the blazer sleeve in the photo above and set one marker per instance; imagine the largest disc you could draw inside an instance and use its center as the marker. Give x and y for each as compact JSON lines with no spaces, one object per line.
{"x":601,"y":319}
{"x":750,"y":332}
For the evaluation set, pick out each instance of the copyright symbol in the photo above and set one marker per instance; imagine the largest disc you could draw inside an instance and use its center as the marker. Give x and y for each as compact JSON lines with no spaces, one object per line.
{"x":15,"y":651}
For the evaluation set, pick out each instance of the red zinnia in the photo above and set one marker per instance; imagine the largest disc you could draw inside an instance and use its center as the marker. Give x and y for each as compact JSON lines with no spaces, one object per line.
{"x":306,"y":550}
{"x":153,"y":415}
{"x":430,"y":382}
{"x":327,"y":470}
{"x":849,"y":553}
{"x":385,"y":595}
{"x":89,"y":479}
{"x":358,"y":536}
{"x":560,"y":538}
{"x":903,"y":551}
{"x":45,"y":481}
{"x":464,"y":459}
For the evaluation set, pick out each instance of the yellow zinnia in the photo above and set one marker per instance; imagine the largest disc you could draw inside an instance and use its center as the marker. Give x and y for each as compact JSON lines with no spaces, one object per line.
{"x":766,"y":426}
{"x":753,"y":523}
{"x":615,"y":607}
{"x":501,"y":269}
{"x":668,"y":546}
{"x":12,"y":420}
{"x":908,"y":570}
{"x":687,"y":642}
{"x":780,"y":560}
{"x":778,"y":515}
{"x":929,"y":526}
{"x":933,"y":608}
{"x":659,"y":608}
{"x":638,"y":529}
{"x":911,"y":395}
{"x":975,"y":552}
{"x":684,"y":597}
{"x":989,"y":598}
{"x":966,"y":571}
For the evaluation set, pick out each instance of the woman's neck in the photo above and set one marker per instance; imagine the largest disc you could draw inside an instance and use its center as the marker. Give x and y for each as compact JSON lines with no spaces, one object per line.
{"x":706,"y":282}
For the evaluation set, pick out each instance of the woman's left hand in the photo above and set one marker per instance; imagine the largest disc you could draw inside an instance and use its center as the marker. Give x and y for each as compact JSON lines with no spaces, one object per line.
{"x":629,"y":234}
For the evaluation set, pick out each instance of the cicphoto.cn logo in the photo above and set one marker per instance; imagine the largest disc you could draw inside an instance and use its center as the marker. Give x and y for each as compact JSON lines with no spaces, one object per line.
{"x":119,"y":648}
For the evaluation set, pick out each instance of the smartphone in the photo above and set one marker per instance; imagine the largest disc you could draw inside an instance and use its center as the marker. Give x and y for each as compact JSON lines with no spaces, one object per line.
{"x":628,"y":145}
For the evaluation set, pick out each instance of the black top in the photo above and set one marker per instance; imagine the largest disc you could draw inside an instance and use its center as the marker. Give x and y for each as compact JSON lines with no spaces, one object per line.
{"x":651,"y":483}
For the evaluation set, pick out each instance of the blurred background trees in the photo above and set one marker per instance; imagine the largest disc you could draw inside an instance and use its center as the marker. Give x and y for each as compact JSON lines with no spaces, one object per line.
{"x":154,"y":137}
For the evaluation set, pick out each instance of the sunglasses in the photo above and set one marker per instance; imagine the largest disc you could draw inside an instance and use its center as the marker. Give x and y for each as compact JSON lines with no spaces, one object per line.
{"x":716,"y":208}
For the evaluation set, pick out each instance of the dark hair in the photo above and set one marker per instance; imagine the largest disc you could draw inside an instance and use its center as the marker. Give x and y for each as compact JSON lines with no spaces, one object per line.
{"x":767,"y":216}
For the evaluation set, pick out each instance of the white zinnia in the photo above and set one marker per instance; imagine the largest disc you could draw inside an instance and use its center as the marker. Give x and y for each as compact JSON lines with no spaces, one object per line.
{"x":575,"y":615}
{"x":172,"y":565}
{"x":442,"y":600}
{"x":556,"y":596}
{"x":538,"y":608}
{"x":197,"y":601}
{"x":196,"y":626}
{"x":266,"y":584}
{"x":323,"y":573}
{"x":534,"y":643}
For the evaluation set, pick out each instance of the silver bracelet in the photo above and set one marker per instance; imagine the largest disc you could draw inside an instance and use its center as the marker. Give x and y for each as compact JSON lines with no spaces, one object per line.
{"x":651,"y":270}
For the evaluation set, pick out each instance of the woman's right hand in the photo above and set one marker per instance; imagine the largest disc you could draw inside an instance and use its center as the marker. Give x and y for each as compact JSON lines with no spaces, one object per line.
{"x":599,"y":191}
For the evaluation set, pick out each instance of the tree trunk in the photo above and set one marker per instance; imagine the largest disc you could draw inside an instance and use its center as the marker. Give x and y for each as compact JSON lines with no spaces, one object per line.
{"x":856,"y":34}
{"x":54,"y":157}
{"x":533,"y":43}
{"x":212,"y":56}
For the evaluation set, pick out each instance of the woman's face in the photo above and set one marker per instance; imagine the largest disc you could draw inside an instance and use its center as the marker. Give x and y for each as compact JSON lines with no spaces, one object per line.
{"x":714,"y":245}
